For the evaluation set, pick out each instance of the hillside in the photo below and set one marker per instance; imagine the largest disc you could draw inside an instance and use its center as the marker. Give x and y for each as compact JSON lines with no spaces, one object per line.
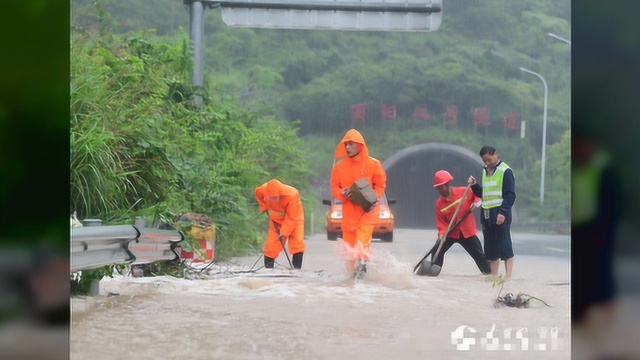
{"x":458,"y":85}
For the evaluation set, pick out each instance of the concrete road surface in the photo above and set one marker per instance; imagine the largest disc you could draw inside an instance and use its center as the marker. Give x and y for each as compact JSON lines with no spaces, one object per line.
{"x":321,"y":313}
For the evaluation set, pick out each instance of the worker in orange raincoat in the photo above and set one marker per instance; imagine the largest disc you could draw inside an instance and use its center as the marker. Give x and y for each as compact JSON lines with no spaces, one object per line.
{"x":353,"y":163}
{"x":286,"y":221}
{"x":465,"y":233}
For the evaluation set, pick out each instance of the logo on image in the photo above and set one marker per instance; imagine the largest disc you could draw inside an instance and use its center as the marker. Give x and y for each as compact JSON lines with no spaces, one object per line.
{"x":544,"y":338}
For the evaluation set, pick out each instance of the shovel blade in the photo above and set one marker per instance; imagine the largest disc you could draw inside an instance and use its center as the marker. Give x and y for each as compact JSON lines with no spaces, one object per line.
{"x":427,"y":268}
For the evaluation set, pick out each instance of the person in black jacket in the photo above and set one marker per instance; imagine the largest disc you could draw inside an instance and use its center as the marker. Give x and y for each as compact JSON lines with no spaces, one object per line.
{"x":498,"y":193}
{"x":595,"y":210}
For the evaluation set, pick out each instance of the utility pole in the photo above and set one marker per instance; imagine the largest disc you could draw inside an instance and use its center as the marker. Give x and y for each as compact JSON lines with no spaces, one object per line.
{"x":196,"y":32}
{"x":544,"y":131}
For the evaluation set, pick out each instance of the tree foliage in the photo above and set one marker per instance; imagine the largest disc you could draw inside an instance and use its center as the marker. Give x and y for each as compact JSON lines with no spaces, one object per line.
{"x":140,"y":147}
{"x":556,"y":202}
{"x":314,"y":76}
{"x":277,"y":100}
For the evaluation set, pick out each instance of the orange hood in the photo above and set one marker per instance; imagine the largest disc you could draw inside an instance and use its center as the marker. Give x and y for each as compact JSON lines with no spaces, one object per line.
{"x":274,"y":188}
{"x":356,"y":137}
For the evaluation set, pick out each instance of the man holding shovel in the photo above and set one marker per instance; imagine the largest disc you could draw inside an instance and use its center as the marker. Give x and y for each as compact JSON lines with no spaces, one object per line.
{"x":465,"y":232}
{"x":286,"y":222}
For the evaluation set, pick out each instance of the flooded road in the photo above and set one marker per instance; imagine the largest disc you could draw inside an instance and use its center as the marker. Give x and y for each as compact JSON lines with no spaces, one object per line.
{"x":320,"y":313}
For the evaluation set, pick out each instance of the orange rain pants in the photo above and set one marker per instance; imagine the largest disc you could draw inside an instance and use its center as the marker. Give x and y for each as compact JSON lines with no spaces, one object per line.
{"x":361,"y":236}
{"x":295,"y":243}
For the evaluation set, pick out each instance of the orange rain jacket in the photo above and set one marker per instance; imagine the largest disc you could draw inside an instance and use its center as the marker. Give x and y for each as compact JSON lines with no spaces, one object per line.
{"x":346,"y":171}
{"x":287,"y":212}
{"x":445,"y":207}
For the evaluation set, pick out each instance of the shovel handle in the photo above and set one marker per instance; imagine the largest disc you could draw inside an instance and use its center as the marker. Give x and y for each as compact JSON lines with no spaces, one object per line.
{"x":452,"y":227}
{"x":455,"y":213}
{"x":449,"y":227}
{"x":277,"y":227}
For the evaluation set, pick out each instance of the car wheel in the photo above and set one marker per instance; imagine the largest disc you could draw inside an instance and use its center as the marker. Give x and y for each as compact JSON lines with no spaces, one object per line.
{"x":388,"y":237}
{"x":332,"y":235}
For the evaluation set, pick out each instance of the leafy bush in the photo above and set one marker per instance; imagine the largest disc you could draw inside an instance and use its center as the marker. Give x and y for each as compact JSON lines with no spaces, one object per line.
{"x":139,"y":146}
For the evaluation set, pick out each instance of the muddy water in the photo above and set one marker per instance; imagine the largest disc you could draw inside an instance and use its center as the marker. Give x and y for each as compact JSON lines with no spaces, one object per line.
{"x":320,"y":313}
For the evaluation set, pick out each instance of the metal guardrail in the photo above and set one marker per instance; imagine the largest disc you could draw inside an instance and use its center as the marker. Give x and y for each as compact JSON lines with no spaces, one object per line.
{"x":155,"y":245}
{"x":96,"y":246}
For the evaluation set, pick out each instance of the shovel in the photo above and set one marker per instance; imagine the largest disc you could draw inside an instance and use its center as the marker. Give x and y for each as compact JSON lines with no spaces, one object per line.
{"x":420,"y":268}
{"x":277,"y":227}
{"x":426,"y":267}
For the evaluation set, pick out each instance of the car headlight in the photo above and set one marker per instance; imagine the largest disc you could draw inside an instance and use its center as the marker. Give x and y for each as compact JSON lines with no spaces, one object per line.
{"x":385,"y":214}
{"x":336,"y":214}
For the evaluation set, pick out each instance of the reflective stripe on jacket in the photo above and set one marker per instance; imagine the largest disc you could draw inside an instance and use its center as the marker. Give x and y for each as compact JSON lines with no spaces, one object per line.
{"x":492,"y":187}
{"x":446,"y":206}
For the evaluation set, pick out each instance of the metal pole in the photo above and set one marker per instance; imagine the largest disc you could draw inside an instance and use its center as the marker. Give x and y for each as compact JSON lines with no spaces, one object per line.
{"x":544,"y":131}
{"x":196,"y":33}
{"x":323,"y":5}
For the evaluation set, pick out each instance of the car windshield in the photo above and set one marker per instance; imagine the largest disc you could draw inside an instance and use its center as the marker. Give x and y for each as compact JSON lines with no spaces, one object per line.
{"x":383,"y":201}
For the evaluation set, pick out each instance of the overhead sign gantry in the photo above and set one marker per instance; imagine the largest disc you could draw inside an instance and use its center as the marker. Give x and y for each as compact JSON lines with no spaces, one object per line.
{"x":346,"y":15}
{"x":333,"y":15}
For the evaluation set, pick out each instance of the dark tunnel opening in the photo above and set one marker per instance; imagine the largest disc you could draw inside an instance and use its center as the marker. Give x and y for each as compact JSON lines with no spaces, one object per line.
{"x":410,"y":180}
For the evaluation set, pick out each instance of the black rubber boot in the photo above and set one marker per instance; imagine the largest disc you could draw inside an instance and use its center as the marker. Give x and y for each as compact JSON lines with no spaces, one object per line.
{"x":268,"y":262}
{"x":296,"y":260}
{"x":361,"y":269}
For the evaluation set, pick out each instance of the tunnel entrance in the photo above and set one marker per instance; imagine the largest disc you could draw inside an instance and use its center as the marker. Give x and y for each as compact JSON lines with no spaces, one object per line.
{"x":410,"y":180}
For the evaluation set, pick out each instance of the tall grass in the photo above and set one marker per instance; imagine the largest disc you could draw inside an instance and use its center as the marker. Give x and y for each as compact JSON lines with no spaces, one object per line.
{"x":101,"y":172}
{"x":136,"y":150}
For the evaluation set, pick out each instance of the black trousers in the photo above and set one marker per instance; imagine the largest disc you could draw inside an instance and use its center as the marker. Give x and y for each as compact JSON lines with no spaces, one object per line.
{"x":473,"y":247}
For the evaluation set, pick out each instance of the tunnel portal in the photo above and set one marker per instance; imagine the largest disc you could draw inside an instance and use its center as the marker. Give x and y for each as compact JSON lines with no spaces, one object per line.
{"x":410,"y":180}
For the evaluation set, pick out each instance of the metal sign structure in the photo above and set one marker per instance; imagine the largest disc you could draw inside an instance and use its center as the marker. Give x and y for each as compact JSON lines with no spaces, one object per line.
{"x":403,"y":15}
{"x":347,"y":15}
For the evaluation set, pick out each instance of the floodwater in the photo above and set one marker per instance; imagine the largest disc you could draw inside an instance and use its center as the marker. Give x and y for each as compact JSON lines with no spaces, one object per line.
{"x":321,"y":313}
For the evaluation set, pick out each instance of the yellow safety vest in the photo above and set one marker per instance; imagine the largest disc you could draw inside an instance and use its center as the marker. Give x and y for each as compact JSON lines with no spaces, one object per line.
{"x":492,"y":187}
{"x":585,"y":185}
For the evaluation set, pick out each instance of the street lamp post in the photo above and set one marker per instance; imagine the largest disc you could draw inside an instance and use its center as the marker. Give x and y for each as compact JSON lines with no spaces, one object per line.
{"x":559,"y":38}
{"x":544,"y":131}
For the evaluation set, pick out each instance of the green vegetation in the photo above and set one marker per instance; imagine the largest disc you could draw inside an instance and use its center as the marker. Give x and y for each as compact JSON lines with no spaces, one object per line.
{"x":276,"y":102}
{"x":140,"y":148}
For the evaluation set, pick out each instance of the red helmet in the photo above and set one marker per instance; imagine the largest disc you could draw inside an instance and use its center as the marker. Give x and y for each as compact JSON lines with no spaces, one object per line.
{"x":441,"y":177}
